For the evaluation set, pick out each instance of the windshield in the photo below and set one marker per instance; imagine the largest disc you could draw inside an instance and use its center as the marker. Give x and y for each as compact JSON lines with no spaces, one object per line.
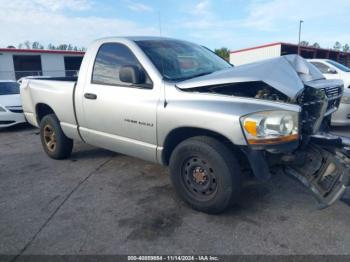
{"x":178,"y":60}
{"x":9,"y":88}
{"x":339,"y":66}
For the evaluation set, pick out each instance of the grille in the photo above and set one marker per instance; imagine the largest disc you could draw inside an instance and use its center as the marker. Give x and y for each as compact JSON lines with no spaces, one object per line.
{"x":316,"y":101}
{"x":6,"y":122}
{"x":333,"y":92}
{"x":15,"y":109}
{"x":311,"y":108}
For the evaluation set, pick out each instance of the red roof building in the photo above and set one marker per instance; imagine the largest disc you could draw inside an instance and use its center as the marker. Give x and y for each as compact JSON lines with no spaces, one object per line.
{"x":16,"y":63}
{"x":248,"y":55}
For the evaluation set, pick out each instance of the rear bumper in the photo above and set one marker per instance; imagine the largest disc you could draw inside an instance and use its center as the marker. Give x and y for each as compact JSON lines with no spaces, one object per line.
{"x":8,"y":119}
{"x":342,"y":116}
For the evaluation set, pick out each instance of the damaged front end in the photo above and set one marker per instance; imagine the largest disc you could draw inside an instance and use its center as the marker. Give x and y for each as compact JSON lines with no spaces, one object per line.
{"x":320,"y":160}
{"x":325,"y":171}
{"x":321,"y":163}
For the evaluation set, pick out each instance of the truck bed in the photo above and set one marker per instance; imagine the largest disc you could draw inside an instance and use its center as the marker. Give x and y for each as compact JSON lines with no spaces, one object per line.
{"x":63,"y":78}
{"x":56,"y":93}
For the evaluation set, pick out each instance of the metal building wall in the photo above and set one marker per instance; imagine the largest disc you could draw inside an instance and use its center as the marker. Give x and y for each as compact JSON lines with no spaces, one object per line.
{"x":254,"y":54}
{"x":7,"y":71}
{"x":52,"y":64}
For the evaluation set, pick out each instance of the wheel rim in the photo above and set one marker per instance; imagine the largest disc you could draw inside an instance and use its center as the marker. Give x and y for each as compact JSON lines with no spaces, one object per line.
{"x":199,"y":178}
{"x":50,"y":138}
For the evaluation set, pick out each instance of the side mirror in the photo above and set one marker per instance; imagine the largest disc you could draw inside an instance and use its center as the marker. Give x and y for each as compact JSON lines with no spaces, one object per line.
{"x":131,"y":74}
{"x":331,"y":71}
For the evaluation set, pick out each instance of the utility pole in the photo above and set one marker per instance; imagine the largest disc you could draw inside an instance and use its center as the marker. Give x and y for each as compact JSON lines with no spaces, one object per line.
{"x":300,"y":22}
{"x":159,"y":24}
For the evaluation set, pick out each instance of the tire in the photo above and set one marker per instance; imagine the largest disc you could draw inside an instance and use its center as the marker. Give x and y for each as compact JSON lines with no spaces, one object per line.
{"x":54,"y":141}
{"x":205,"y":174}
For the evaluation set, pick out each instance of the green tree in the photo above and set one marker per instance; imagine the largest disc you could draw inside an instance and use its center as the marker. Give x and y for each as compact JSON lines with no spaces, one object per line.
{"x":316,"y":45}
{"x":346,"y":48}
{"x":51,"y":47}
{"x":337,"y":46}
{"x":27,"y":44}
{"x":223,"y":52}
{"x":304,"y":43}
{"x":62,"y":47}
{"x":35,"y":45}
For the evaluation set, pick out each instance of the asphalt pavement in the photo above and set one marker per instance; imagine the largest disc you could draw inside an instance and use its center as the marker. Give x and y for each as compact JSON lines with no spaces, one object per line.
{"x":100,"y":202}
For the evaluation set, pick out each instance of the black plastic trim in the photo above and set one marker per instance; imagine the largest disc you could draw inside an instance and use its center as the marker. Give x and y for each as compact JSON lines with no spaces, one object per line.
{"x":75,"y":113}
{"x":257,"y":163}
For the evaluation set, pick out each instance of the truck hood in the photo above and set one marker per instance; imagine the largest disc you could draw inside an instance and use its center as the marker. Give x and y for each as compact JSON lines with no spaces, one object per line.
{"x":287,"y":74}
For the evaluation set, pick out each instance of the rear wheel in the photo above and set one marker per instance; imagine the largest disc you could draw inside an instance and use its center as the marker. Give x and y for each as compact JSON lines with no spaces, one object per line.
{"x":54,"y":141}
{"x":205,"y":174}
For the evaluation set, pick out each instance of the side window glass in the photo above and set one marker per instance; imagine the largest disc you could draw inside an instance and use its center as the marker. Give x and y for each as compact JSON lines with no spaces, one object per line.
{"x":109,"y":59}
{"x":322,"y":67}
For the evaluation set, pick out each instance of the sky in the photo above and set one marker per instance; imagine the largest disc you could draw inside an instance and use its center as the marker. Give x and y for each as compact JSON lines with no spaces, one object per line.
{"x":233,"y":24}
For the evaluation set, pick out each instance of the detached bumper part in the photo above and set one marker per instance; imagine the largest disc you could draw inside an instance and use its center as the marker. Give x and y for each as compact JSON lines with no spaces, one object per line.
{"x":324,"y":173}
{"x":325,"y":169}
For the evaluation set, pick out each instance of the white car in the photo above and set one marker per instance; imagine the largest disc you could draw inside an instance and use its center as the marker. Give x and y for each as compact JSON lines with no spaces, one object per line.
{"x":334,"y":70}
{"x":11,"y":112}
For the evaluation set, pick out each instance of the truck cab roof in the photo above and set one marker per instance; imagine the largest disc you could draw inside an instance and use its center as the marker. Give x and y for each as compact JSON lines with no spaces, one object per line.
{"x":135,"y":38}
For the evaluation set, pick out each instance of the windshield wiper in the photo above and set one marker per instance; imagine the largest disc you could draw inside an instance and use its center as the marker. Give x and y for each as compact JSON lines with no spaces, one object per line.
{"x":202,"y":74}
{"x":192,"y":76}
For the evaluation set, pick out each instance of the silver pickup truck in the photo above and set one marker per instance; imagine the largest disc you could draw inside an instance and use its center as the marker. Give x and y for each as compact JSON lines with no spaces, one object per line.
{"x":178,"y":104}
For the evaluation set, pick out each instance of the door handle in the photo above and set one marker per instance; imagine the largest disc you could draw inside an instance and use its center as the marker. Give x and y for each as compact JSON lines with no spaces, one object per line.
{"x":90,"y":96}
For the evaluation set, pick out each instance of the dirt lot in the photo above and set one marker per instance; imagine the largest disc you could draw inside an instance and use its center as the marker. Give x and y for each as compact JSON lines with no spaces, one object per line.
{"x":99,"y":202}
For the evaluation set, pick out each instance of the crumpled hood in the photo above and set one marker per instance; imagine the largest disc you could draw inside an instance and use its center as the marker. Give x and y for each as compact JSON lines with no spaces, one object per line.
{"x":287,"y":74}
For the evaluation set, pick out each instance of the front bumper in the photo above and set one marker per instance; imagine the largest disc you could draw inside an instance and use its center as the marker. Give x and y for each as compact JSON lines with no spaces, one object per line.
{"x":342,"y":116}
{"x":8,"y":119}
{"x":322,"y":165}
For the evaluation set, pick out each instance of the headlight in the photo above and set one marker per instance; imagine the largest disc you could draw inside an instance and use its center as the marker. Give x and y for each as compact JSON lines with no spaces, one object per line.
{"x":345,"y":100}
{"x":2,"y":109}
{"x":270,"y":127}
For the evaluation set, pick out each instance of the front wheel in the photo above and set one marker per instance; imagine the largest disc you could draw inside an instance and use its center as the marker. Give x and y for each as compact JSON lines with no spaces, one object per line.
{"x":205,"y":174}
{"x":53,"y":140}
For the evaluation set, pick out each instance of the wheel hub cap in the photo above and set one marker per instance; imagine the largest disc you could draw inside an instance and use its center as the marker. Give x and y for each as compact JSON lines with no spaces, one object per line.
{"x":199,"y":178}
{"x":199,"y":175}
{"x":50,"y":138}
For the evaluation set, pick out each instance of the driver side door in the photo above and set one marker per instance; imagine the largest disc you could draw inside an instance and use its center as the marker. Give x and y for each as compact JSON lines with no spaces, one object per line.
{"x":119,"y":116}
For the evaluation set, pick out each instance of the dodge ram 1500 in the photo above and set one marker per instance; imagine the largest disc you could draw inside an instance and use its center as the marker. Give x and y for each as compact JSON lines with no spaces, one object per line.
{"x":178,"y":104}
